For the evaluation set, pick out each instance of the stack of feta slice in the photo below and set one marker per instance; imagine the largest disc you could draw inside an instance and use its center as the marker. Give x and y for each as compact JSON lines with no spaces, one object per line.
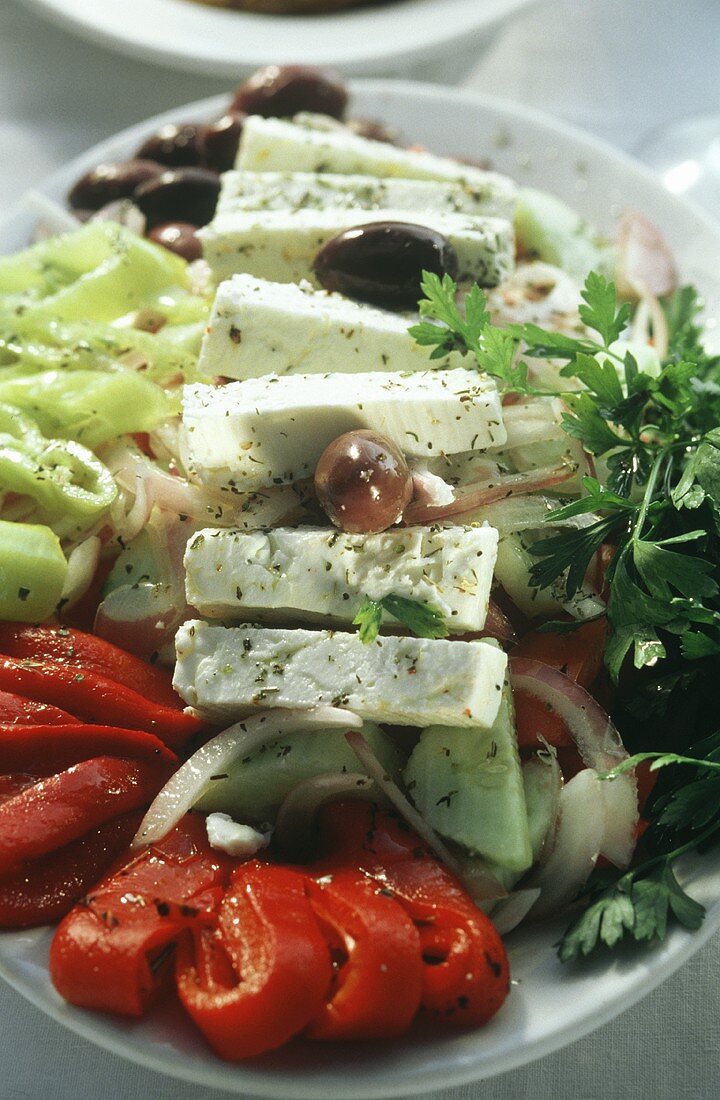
{"x":297,"y":186}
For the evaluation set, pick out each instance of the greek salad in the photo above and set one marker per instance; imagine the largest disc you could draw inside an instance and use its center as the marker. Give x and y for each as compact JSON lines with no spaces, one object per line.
{"x":359,"y":578}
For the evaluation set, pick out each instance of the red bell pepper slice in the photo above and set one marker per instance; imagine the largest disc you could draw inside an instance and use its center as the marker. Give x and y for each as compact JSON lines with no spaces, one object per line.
{"x":264,"y":973}
{"x":16,"y":710}
{"x":113,"y":951}
{"x":46,"y":889}
{"x":45,"y":750}
{"x":87,"y":652}
{"x":465,"y":972}
{"x":95,"y":698}
{"x":59,"y":809}
{"x":376,"y":950}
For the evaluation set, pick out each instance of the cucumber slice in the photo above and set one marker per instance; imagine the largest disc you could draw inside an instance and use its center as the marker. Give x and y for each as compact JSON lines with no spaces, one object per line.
{"x":550,"y":230}
{"x":32,"y":572}
{"x":254,"y":790}
{"x":512,"y":570}
{"x":542,"y":780}
{"x":468,"y":785}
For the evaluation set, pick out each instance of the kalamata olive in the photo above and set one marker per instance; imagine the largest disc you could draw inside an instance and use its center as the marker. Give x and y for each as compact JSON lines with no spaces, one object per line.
{"x":222,"y":139}
{"x":174,"y":146}
{"x":279,"y":91}
{"x":112,"y":181}
{"x":178,"y":237}
{"x":383,"y":262}
{"x":363,"y":482}
{"x":374,"y":130}
{"x":179,"y":194}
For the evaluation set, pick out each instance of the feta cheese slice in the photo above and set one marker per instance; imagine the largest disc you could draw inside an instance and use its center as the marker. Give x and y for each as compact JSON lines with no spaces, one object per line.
{"x":258,"y":328}
{"x":226,"y":835}
{"x":224,"y":673}
{"x":266,"y":431}
{"x":311,"y":190}
{"x":276,"y":145}
{"x":281,"y":245}
{"x":312,"y":574}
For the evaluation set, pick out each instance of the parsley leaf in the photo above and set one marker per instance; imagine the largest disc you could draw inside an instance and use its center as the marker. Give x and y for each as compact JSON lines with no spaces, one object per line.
{"x":419,"y":617}
{"x":600,"y":311}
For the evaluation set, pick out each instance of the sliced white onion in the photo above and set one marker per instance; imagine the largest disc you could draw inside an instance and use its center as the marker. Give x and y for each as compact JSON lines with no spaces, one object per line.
{"x":82,"y":564}
{"x":182,"y":791}
{"x":429,"y":488}
{"x":644,"y":263}
{"x":578,"y":841}
{"x":484,"y":885}
{"x":296,"y":815}
{"x":138,"y":474}
{"x":471,"y":497}
{"x":533,"y":421}
{"x":512,"y":910}
{"x":527,"y":513}
{"x":142,"y":618}
{"x":598,"y":743}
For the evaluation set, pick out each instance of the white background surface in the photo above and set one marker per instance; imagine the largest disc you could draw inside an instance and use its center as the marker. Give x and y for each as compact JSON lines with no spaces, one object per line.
{"x":618,"y":67}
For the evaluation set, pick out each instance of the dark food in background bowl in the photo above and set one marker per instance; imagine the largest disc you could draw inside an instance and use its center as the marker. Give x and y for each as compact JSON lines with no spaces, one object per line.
{"x":284,"y":90}
{"x":383,"y":262}
{"x":175,"y":146}
{"x":222,"y":139}
{"x":109,"y":182}
{"x":178,"y":237}
{"x":179,"y":194}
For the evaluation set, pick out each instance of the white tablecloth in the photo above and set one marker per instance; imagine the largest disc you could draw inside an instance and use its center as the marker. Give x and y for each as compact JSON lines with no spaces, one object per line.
{"x":618,"y":67}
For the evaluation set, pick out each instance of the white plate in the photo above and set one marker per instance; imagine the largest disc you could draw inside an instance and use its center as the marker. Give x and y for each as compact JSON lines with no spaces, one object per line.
{"x":550,"y":1005}
{"x":184,"y":34}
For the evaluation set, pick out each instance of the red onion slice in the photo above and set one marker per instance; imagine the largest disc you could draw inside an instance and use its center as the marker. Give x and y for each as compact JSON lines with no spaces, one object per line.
{"x":598,"y":743}
{"x":471,"y":497}
{"x":293,"y":825}
{"x":645,"y":265}
{"x":184,"y":788}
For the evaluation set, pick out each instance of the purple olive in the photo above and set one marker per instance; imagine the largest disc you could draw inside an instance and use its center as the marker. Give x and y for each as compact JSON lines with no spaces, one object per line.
{"x":383,"y":262}
{"x":280,"y":91}
{"x":363,"y":482}
{"x":111,"y":181}
{"x":178,"y":237}
{"x":174,"y":146}
{"x":222,"y":139}
{"x":179,"y":195}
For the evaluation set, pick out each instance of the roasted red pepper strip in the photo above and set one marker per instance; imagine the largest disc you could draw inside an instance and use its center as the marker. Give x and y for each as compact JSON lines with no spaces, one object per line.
{"x":264,"y":974}
{"x":16,"y":710}
{"x":59,"y":809}
{"x":378,"y":967}
{"x":45,"y":750}
{"x":465,"y":973}
{"x":113,"y":951}
{"x":87,"y":652}
{"x":95,"y":698}
{"x":46,"y":889}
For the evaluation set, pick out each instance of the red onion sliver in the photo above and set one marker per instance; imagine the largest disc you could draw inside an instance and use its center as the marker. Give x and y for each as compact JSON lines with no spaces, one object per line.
{"x":484,"y":886}
{"x":471,"y":497}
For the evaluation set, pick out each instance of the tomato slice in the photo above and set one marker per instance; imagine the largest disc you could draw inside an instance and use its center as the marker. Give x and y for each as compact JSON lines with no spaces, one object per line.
{"x":46,"y":889}
{"x":378,"y":969}
{"x":87,"y":652}
{"x":113,"y":952}
{"x":55,"y":811}
{"x":46,"y":750}
{"x":465,"y":966}
{"x":264,"y":973}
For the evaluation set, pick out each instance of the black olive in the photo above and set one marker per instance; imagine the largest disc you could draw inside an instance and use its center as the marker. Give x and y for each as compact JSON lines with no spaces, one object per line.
{"x":178,"y":237}
{"x":363,"y":482}
{"x":383,"y":262}
{"x":108,"y":182}
{"x":281,"y":91}
{"x":374,"y":130}
{"x":179,"y":195}
{"x":174,"y":146}
{"x":221,"y":141}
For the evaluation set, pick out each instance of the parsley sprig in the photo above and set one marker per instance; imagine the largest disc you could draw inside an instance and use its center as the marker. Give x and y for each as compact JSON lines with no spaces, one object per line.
{"x":419,"y":617}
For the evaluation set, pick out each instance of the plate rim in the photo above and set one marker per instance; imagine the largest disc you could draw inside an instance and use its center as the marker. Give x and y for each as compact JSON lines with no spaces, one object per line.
{"x":374,"y":58}
{"x":676,"y":950}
